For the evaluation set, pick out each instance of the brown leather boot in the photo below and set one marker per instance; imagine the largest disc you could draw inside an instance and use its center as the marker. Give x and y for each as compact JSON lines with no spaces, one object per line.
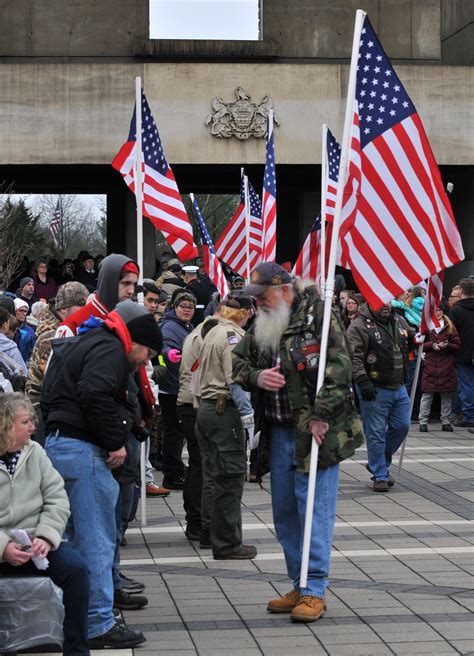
{"x":284,"y":604}
{"x":308,"y":609}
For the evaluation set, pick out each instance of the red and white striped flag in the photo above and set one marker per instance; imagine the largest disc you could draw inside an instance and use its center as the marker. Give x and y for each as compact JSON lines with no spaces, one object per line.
{"x":212,"y":265}
{"x":231,"y":245}
{"x":397,"y":224}
{"x":308,"y":264}
{"x":433,"y":298}
{"x":162,"y":202}
{"x":269,"y":219}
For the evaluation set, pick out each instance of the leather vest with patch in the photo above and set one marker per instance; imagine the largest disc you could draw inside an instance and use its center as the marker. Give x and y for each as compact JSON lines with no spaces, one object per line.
{"x":386,"y":359}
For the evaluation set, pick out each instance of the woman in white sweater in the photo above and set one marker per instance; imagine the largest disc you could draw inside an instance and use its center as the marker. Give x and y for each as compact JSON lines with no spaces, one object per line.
{"x":32,"y":497}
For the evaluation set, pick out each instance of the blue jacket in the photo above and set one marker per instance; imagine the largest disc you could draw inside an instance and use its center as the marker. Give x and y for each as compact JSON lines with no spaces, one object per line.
{"x":174,"y":333}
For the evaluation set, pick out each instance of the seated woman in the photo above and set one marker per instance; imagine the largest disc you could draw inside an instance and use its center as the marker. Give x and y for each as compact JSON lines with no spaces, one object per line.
{"x":32,"y":497}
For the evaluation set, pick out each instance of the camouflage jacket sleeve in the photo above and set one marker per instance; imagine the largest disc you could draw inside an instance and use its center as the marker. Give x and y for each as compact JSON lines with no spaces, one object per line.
{"x":338,"y":376}
{"x":359,"y":342}
{"x":248,"y":362}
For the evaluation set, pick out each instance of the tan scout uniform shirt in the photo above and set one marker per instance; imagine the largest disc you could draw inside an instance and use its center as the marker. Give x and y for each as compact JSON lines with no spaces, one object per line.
{"x":215,"y":359}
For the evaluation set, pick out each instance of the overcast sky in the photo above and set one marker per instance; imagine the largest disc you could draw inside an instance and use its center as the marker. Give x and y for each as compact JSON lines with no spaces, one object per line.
{"x":204,"y":19}
{"x":91,"y":201}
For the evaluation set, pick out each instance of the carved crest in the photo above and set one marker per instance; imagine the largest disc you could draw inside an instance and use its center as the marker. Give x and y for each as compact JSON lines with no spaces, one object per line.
{"x":242,"y":118}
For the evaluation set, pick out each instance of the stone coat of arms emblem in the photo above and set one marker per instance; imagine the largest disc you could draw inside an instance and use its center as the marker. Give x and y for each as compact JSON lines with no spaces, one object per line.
{"x":242,"y":119}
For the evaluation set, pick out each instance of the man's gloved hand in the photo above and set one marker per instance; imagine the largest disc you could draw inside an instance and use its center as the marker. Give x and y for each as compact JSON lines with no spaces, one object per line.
{"x":140,"y":432}
{"x":249,"y":425}
{"x":419,"y":339}
{"x":367,"y":389}
{"x":174,"y":356}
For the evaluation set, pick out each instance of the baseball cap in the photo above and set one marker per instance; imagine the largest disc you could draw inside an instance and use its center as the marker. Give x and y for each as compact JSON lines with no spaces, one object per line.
{"x":264,"y":276}
{"x":239,"y":301}
{"x":70,"y":294}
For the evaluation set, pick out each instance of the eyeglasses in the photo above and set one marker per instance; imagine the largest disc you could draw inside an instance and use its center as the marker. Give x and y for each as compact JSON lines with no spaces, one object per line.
{"x":186,"y":307}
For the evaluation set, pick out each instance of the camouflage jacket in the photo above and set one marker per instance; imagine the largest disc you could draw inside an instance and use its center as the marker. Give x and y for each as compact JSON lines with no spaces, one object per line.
{"x":333,"y":404}
{"x":39,"y":358}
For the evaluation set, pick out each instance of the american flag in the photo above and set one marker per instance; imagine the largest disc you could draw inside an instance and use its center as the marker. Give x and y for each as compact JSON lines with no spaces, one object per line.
{"x":333,"y":155}
{"x":433,"y":299}
{"x":162,"y":202}
{"x":396,"y":223}
{"x":212,"y":265}
{"x":55,"y":225}
{"x":269,"y":199}
{"x":333,"y":158}
{"x":231,"y":245}
{"x":308,"y":264}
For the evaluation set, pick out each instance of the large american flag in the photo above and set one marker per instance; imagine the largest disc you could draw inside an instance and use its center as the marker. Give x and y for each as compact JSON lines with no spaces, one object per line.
{"x":269,"y":199}
{"x":212,"y":265}
{"x":55,"y":224}
{"x":397,"y":224}
{"x":231,"y":245}
{"x":162,"y":202}
{"x":308,"y":264}
{"x":433,"y":299}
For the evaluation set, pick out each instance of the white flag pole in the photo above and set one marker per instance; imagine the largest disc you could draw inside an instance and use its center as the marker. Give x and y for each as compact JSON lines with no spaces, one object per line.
{"x":247,"y":225}
{"x":414,"y":385}
{"x":329,"y":290}
{"x":324,"y":187}
{"x":139,"y":199}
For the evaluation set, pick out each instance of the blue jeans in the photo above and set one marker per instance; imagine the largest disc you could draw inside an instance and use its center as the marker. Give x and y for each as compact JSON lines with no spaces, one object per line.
{"x":465,"y":376}
{"x":386,"y":423}
{"x":68,"y":571}
{"x":289,"y":492}
{"x":91,"y":529}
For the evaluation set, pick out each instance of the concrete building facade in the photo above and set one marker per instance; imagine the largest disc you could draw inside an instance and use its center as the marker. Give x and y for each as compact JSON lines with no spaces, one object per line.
{"x":67,"y":73}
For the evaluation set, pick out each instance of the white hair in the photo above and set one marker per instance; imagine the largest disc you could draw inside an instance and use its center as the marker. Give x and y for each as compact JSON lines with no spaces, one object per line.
{"x":38,"y":309}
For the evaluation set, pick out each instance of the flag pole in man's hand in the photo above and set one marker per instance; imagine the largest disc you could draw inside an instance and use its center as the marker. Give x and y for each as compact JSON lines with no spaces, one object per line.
{"x":139,"y":199}
{"x":329,"y":290}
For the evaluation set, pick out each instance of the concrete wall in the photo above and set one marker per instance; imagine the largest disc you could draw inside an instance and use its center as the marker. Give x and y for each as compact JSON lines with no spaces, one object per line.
{"x":71,"y":28}
{"x":457,"y":32}
{"x":410,"y":29}
{"x":80,"y":113}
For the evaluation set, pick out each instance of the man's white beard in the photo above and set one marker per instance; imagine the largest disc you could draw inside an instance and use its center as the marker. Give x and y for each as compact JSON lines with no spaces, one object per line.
{"x":269,"y":326}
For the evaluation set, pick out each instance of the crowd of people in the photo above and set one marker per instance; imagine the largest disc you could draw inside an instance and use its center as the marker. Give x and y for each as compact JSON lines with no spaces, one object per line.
{"x":92,"y":365}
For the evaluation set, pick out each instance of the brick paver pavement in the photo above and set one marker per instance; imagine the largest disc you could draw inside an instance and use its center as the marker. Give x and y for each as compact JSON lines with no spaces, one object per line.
{"x":401,"y":578}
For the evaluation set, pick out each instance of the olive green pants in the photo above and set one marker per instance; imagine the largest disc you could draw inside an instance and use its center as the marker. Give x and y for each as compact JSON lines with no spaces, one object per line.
{"x":224,"y":464}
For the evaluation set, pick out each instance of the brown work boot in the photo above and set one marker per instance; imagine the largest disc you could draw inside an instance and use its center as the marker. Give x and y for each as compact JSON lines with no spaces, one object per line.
{"x":380,"y":486}
{"x":308,"y":609}
{"x":284,"y":604}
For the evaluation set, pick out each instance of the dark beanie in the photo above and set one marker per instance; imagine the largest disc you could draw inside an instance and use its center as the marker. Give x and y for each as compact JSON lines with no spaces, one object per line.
{"x":141,"y":325}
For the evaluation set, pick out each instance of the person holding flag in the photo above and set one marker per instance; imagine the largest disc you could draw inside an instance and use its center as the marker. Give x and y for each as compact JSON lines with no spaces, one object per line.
{"x":380,"y":341}
{"x":279,"y":356}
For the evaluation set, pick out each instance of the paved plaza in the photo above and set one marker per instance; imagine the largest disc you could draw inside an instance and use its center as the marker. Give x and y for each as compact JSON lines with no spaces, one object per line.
{"x":402,"y":568}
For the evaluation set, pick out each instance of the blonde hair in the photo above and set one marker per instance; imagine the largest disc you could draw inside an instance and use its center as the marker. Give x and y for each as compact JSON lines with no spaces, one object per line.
{"x":11,"y":405}
{"x":232,"y":314}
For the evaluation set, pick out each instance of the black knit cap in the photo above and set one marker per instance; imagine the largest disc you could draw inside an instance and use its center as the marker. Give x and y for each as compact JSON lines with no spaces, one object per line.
{"x":141,"y":325}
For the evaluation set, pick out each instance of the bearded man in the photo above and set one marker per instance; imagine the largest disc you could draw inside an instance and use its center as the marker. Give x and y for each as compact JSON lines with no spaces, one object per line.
{"x":280,"y":357}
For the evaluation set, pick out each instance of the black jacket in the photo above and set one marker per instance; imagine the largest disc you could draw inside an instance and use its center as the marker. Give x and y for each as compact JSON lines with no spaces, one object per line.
{"x":85,"y":390}
{"x":462,"y":315}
